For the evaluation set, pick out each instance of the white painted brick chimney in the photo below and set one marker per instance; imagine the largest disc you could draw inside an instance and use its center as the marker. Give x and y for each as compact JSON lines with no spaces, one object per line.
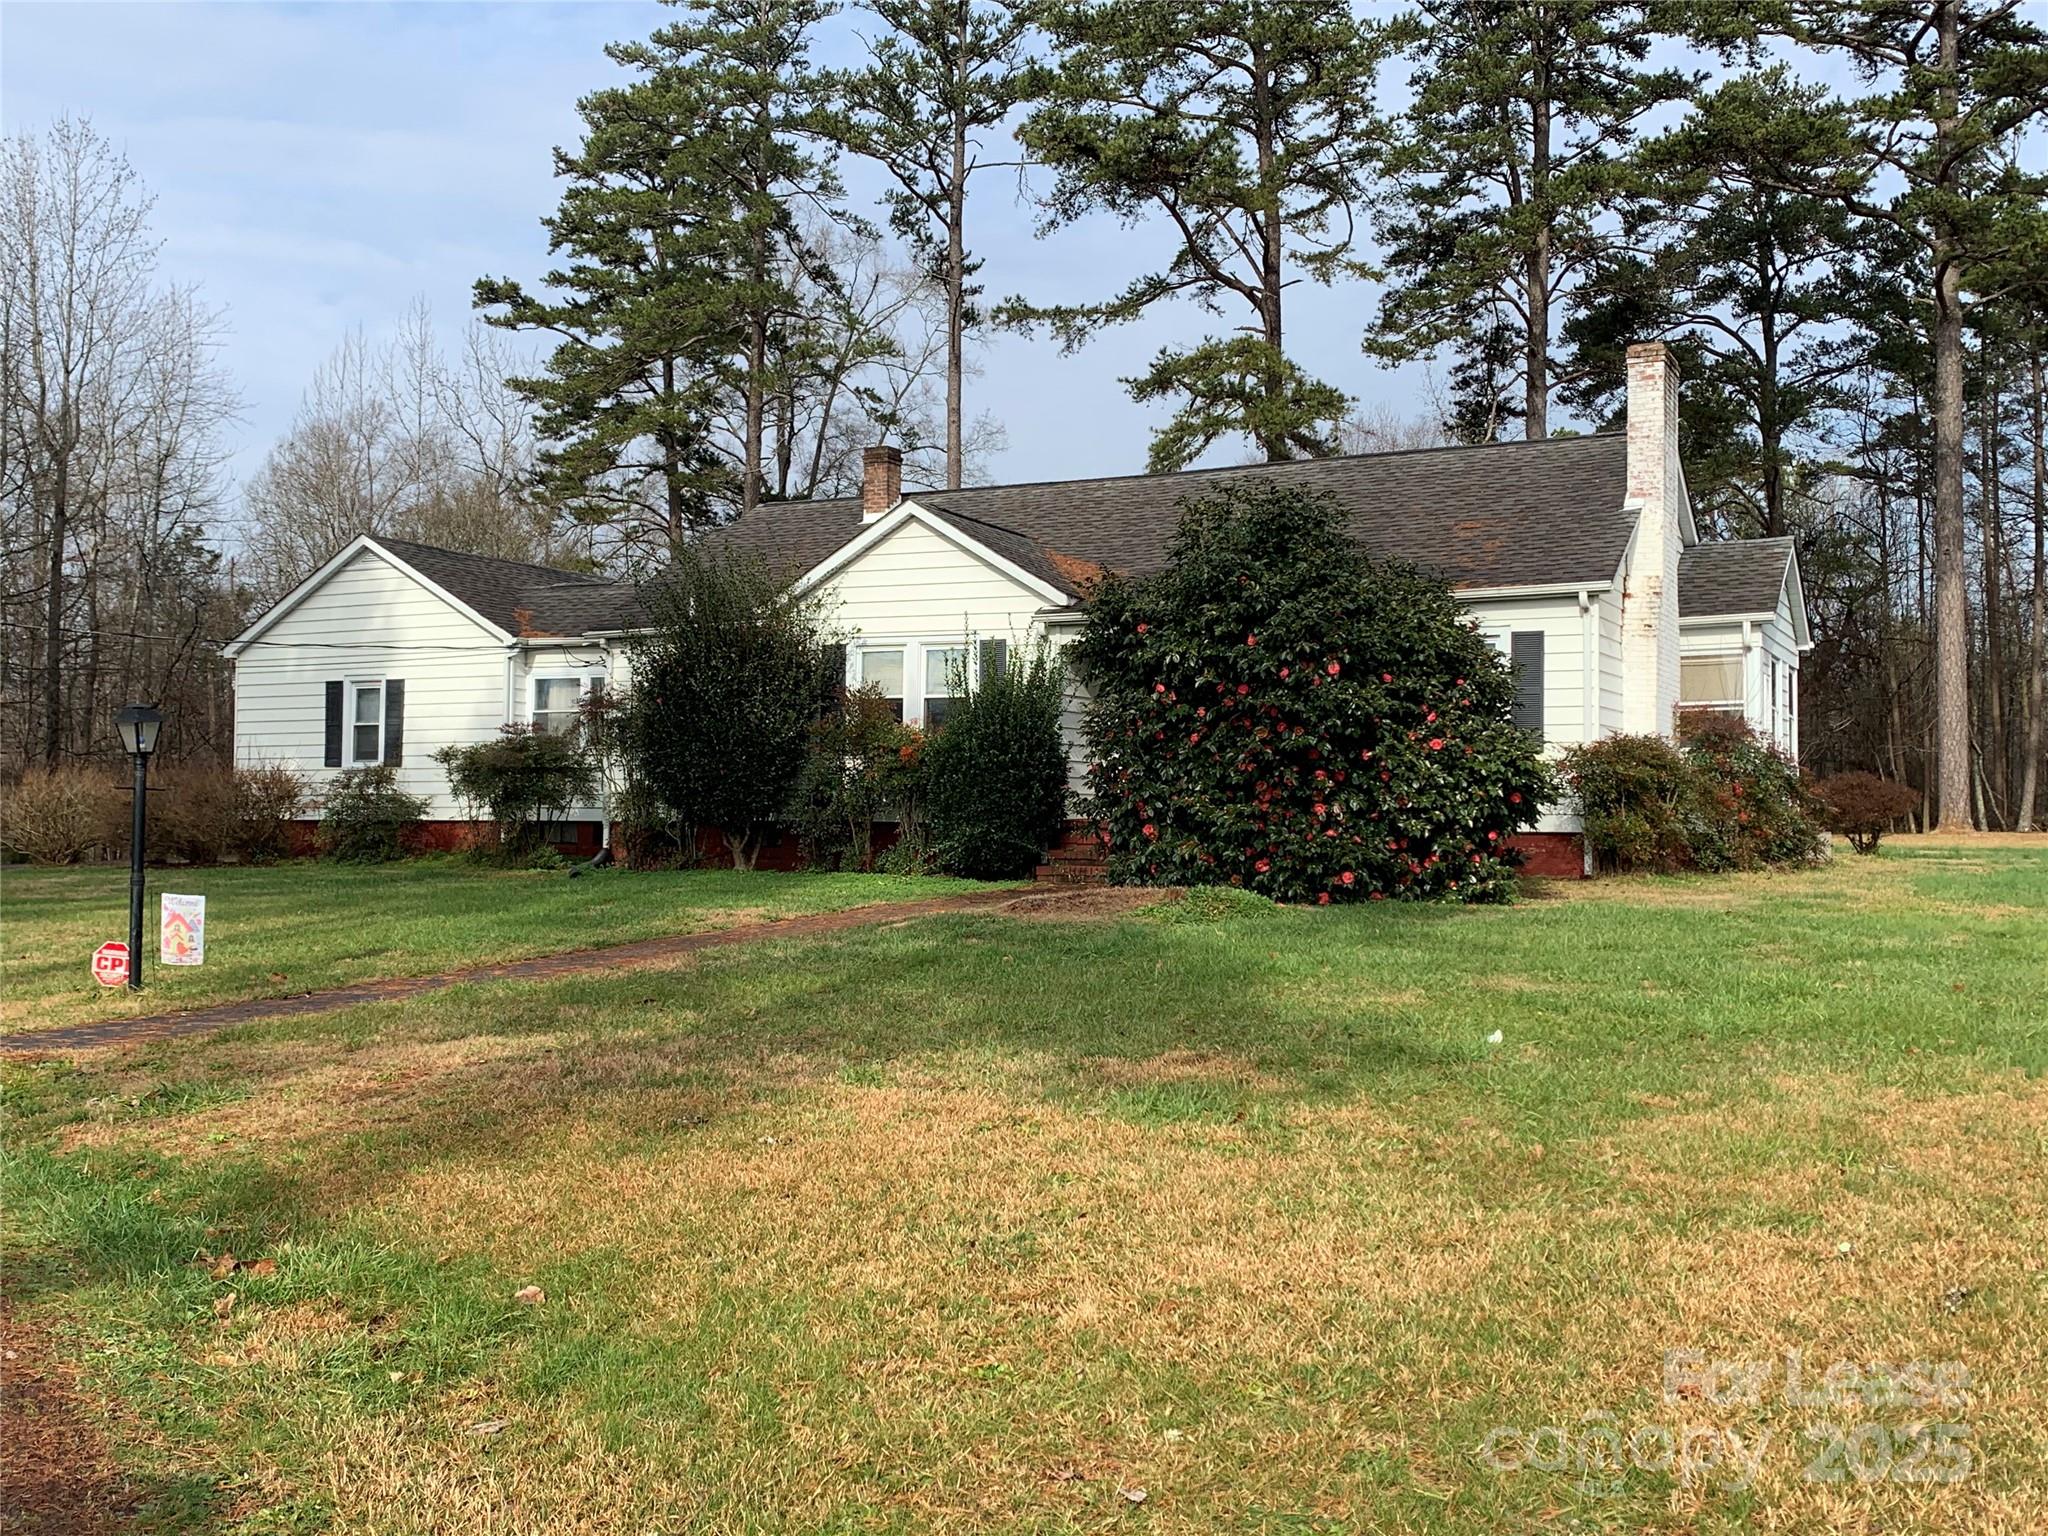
{"x":1656,"y":488}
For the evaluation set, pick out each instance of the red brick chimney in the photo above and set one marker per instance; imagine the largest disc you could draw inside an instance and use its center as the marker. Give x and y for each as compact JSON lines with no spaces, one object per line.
{"x":881,"y":482}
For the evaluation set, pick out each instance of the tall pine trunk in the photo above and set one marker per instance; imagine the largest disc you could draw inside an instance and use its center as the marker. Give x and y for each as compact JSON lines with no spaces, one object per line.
{"x":1536,"y":279}
{"x":2028,"y":816}
{"x":1951,"y":597}
{"x":956,"y":269}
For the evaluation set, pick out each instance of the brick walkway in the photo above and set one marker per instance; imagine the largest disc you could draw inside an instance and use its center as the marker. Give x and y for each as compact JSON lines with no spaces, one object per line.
{"x":197,"y":1021}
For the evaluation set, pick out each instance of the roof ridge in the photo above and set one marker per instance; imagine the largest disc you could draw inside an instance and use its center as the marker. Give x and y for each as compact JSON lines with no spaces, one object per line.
{"x":582,"y":577}
{"x":1231,"y":469}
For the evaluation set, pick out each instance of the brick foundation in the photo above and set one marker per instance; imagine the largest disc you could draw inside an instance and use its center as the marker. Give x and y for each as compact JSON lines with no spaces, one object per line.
{"x":1553,"y":855}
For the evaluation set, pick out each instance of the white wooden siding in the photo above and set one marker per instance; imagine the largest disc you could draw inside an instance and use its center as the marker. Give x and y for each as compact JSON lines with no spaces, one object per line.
{"x":1755,"y":640}
{"x":365,"y":622}
{"x":917,"y":584}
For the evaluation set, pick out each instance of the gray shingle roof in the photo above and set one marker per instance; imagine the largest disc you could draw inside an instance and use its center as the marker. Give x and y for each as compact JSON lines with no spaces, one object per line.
{"x":1520,"y":514}
{"x":1732,"y":576}
{"x":520,"y":598}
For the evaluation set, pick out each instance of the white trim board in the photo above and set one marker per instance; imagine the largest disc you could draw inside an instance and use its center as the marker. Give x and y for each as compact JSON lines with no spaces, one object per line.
{"x":910,"y":512}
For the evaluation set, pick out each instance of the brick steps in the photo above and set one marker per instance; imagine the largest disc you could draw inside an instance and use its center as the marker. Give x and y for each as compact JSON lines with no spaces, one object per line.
{"x":1080,"y":858}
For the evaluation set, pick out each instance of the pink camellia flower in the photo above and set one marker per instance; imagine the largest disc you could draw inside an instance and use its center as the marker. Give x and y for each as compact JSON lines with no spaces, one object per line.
{"x":1243,"y":689}
{"x":1386,"y":677}
{"x":1150,"y":830}
{"x":1322,"y":898}
{"x":1436,"y":743}
{"x":1143,"y":627}
{"x":1430,"y":718}
{"x":1283,"y":671}
{"x":1493,"y":837}
{"x":1461,"y":682}
{"x":1379,"y":895}
{"x":1193,"y":737}
{"x":1263,"y":865}
{"x":1251,"y":639}
{"x":1515,"y":797}
{"x":1159,"y":687}
{"x":1347,"y":877}
{"x":1333,"y":669}
{"x":1201,"y":714}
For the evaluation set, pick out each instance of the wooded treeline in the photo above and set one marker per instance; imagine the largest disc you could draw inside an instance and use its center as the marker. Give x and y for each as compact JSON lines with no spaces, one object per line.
{"x":1832,"y":209}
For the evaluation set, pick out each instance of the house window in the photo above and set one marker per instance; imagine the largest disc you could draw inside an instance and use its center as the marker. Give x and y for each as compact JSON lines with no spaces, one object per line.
{"x":944,"y":670}
{"x":366,"y":724}
{"x":1711,"y":683}
{"x":557,"y":704}
{"x":882,"y":667}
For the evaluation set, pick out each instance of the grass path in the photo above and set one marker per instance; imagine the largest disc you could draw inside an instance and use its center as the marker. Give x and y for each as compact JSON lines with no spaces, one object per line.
{"x":978,"y":1223}
{"x":302,"y":927}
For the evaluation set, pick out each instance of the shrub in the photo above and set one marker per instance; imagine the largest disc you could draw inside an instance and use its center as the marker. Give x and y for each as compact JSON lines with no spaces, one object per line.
{"x":369,"y":818}
{"x":521,"y":780}
{"x":1277,"y":710}
{"x":862,"y":763}
{"x":1720,"y":799}
{"x":1755,"y":810}
{"x":727,"y":684}
{"x":1863,"y":807}
{"x":1638,"y":801}
{"x":995,"y":773}
{"x":211,"y":812}
{"x":63,"y":815}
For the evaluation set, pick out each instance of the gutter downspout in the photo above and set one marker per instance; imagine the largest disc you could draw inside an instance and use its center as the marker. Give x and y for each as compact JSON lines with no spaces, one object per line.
{"x":1589,"y":699}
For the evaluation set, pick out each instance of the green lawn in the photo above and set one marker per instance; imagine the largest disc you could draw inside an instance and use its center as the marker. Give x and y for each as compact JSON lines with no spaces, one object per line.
{"x":979,"y":1223}
{"x":299,"y":927}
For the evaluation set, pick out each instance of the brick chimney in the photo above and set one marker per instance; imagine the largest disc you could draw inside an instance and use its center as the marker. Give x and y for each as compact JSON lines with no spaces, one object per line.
{"x":881,"y":482}
{"x":1656,"y":490}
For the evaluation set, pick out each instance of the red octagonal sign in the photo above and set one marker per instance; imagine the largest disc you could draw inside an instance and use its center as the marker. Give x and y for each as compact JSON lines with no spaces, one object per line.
{"x":110,"y":964}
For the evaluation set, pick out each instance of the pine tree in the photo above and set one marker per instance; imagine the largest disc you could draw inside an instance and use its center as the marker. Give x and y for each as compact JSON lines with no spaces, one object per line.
{"x":1749,"y":282}
{"x":1499,"y":175}
{"x":641,"y":308}
{"x":945,"y":72}
{"x":1247,"y":127}
{"x":1952,"y":83}
{"x":748,"y":61}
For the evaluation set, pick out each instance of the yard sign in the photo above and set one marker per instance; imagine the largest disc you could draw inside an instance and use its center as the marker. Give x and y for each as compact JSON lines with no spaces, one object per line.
{"x":182,"y":940}
{"x":110,"y":964}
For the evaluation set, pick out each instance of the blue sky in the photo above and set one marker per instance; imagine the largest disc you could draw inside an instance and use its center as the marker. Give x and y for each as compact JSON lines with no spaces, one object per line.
{"x":317,"y":167}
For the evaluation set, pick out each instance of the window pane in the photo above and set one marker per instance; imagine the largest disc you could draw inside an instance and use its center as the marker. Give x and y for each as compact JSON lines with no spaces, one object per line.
{"x":940,"y":663}
{"x":366,"y":744}
{"x":556,"y":693}
{"x":883,"y":668}
{"x":369,"y":705}
{"x":1709,"y":679}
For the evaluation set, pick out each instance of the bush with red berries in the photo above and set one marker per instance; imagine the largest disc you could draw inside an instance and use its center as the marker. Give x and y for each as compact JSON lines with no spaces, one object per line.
{"x":1278,"y":711}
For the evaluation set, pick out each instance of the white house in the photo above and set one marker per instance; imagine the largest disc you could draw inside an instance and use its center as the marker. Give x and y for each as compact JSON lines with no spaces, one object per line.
{"x":1577,"y":555}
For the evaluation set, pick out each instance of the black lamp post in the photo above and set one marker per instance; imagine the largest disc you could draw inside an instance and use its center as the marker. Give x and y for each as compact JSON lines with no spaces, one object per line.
{"x":139,"y":725}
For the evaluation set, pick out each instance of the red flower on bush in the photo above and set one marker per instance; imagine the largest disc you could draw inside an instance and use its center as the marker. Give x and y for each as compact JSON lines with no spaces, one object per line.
{"x":1322,"y":898}
{"x":1436,"y":743}
{"x":1333,"y":669}
{"x":1150,"y":830}
{"x":1348,"y":877}
{"x":1143,"y":627}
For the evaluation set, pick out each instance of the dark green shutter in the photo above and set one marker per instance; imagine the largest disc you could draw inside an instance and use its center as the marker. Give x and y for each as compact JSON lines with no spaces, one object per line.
{"x":394,"y":723}
{"x":335,"y":692}
{"x":995,"y":658}
{"x":1525,"y":658}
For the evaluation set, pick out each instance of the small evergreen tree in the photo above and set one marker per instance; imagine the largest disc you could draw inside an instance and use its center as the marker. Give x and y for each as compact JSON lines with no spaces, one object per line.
{"x":995,"y":773}
{"x":726,"y":686}
{"x":1276,"y":710}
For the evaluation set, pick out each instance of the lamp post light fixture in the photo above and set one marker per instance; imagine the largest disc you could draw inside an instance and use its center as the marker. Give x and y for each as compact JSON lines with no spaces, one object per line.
{"x":139,"y":726}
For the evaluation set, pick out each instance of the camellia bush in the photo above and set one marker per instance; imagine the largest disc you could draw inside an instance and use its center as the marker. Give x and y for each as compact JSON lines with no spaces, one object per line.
{"x":1276,"y":710}
{"x":518,"y":782}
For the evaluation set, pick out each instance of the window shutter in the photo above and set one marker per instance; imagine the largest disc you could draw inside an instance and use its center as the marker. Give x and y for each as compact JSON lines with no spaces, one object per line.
{"x":1525,"y":657}
{"x":334,"y":706}
{"x":832,"y":677}
{"x":995,"y":658}
{"x":394,"y":722}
